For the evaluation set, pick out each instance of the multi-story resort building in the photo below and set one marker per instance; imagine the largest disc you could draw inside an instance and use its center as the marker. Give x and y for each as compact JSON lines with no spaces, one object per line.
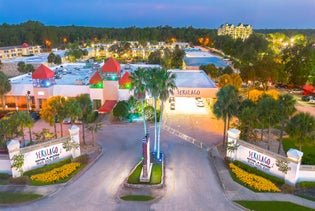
{"x":241,"y":31}
{"x":10,"y":52}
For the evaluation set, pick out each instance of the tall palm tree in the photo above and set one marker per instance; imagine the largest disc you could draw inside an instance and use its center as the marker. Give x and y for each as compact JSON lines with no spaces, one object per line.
{"x":167,"y":86}
{"x":152,"y":81}
{"x":301,"y":126}
{"x":139,"y":87}
{"x":285,"y":110}
{"x":86,"y":110}
{"x":267,"y":109}
{"x":22,"y":120}
{"x":226,"y":99}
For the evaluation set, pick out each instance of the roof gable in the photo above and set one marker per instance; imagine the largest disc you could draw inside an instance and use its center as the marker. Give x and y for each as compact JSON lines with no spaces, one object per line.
{"x":111,"y":66}
{"x":96,"y":78}
{"x":43,"y":72}
{"x":125,"y":79}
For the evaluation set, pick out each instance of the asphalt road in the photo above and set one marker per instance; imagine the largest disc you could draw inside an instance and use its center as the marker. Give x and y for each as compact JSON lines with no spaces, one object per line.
{"x":190,"y":181}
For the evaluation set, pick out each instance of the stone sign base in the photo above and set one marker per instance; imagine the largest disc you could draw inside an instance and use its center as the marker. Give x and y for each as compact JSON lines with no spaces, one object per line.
{"x":147,"y":178}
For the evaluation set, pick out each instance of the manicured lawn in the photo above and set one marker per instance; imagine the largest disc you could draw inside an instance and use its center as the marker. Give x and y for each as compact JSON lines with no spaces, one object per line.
{"x":156,"y":175}
{"x":272,"y":206}
{"x":9,"y":198}
{"x":137,"y":198}
{"x":308,"y":148}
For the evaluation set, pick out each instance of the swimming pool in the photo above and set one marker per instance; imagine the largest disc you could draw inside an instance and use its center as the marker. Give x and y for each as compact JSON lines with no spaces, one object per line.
{"x":197,"y":61}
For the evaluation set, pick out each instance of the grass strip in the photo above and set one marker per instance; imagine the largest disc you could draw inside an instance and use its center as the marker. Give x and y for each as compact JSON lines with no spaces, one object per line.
{"x":272,"y":206}
{"x":10,"y":198}
{"x":137,"y":198}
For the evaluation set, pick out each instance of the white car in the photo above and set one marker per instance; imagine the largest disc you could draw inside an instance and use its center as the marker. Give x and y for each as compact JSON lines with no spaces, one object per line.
{"x":200,"y":103}
{"x":312,"y":101}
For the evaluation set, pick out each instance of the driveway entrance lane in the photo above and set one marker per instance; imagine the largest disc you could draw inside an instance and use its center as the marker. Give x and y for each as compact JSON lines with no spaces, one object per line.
{"x":191,"y":183}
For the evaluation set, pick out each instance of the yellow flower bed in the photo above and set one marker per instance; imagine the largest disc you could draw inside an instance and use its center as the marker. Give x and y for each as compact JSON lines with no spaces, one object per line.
{"x":56,"y":174}
{"x":254,"y":181}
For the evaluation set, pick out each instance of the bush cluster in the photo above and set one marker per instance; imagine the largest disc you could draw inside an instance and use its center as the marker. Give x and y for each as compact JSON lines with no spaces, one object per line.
{"x":56,"y":174}
{"x":82,"y":159}
{"x":307,"y":184}
{"x":23,"y":180}
{"x":254,"y":181}
{"x":48,"y":167}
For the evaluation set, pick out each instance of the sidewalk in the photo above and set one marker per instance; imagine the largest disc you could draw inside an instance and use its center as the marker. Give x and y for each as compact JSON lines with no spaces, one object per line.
{"x":235,"y":191}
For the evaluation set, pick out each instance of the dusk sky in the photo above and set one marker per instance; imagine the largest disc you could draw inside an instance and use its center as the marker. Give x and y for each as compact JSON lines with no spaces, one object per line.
{"x":260,"y":14}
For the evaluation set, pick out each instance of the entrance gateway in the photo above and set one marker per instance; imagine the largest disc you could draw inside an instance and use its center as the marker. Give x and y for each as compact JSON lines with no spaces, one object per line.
{"x":192,"y":86}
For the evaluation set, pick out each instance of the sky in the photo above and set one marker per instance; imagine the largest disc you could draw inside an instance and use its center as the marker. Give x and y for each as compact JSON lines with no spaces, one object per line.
{"x":261,"y":14}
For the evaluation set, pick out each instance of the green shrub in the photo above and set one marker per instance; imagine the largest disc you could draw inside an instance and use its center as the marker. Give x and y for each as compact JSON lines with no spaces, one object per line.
{"x":47,"y":167}
{"x":82,"y":159}
{"x":23,"y":180}
{"x":306,"y":184}
{"x":256,"y":171}
{"x":4,"y":176}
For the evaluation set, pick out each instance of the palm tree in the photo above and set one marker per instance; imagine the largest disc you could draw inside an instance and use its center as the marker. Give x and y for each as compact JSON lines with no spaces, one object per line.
{"x":301,"y":126}
{"x":267,"y":110}
{"x":152,"y":81}
{"x":5,"y":86}
{"x":22,"y":120}
{"x":139,"y":87}
{"x":94,"y":128}
{"x":225,"y":105}
{"x":286,"y":108}
{"x":167,"y":85}
{"x":48,"y":114}
{"x":86,"y":110}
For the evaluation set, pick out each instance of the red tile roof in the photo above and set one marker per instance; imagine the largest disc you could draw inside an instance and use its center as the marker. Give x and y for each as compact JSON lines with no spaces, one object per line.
{"x":111,"y":66}
{"x":125,"y":79}
{"x":43,"y":72}
{"x":96,"y":78}
{"x":107,"y":106}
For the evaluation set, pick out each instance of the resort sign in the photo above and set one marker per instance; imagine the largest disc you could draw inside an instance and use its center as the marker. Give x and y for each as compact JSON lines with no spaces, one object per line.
{"x":188,"y":92}
{"x":259,"y":160}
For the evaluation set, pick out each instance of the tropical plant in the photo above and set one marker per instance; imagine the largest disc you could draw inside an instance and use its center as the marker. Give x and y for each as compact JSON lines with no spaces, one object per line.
{"x":301,"y":127}
{"x":94,"y":128}
{"x":22,"y":119}
{"x":86,"y":109}
{"x":167,"y":86}
{"x":286,"y":108}
{"x":121,"y":110}
{"x":152,"y":81}
{"x":226,"y":106}
{"x":267,"y":110}
{"x":5,"y":87}
{"x":18,"y":162}
{"x":139,"y":87}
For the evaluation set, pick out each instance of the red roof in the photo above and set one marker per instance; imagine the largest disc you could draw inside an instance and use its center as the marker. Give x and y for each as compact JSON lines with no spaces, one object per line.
{"x":96,"y":78}
{"x":107,"y":106}
{"x":125,"y":79}
{"x":308,"y":89}
{"x":43,"y":72}
{"x":111,"y":66}
{"x":24,"y":45}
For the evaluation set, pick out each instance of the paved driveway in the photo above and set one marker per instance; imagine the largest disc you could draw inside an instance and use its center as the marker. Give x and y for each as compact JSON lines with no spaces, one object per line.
{"x":191,"y":182}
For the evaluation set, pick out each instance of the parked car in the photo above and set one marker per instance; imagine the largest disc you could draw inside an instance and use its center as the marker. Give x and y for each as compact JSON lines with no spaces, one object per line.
{"x":200,"y":104}
{"x":312,"y":101}
{"x":35,"y":116}
{"x":67,"y":121}
{"x":1,"y":115}
{"x":279,"y":85}
{"x":307,"y":97}
{"x":296,"y":91}
{"x":172,"y":107}
{"x":171,"y":99}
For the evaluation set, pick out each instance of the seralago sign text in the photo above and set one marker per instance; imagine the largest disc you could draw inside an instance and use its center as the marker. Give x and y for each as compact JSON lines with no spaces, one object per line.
{"x":48,"y":155}
{"x":188,"y":92}
{"x":259,"y":160}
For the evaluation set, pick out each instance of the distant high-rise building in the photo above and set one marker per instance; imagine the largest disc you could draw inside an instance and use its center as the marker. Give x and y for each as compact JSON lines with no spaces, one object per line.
{"x":241,"y":31}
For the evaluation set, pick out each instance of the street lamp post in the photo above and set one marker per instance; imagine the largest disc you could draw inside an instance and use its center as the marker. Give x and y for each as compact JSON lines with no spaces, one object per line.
{"x":28,"y":111}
